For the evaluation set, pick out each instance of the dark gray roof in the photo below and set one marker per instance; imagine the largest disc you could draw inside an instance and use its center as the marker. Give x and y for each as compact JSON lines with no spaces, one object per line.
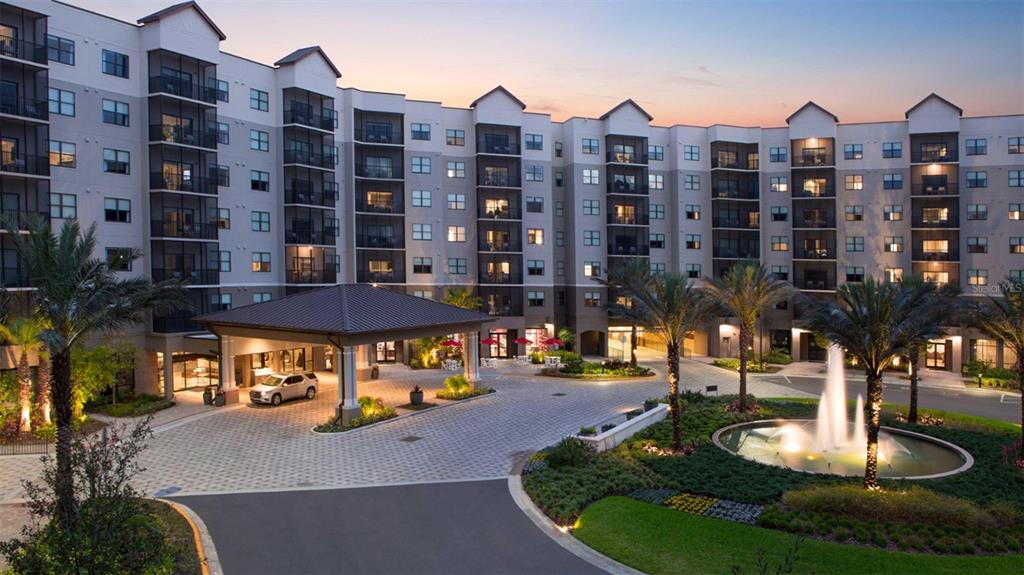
{"x":959,"y":110}
{"x":502,"y":89}
{"x":811,"y":104}
{"x":175,"y":8}
{"x":345,"y":309}
{"x":302,"y":53}
{"x":628,"y":102}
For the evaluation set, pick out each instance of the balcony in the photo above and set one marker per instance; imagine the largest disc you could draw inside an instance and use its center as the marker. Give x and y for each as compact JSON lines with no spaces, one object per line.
{"x":943,"y":189}
{"x":628,"y":219}
{"x":813,"y":160}
{"x":326,"y":161}
{"x":501,"y":212}
{"x":950,"y":255}
{"x":933,"y":156}
{"x":366,"y":276}
{"x":377,"y":241}
{"x":24,"y":107}
{"x":179,"y":135}
{"x":500,"y":278}
{"x":25,"y":164}
{"x":22,"y":218}
{"x":378,"y":136}
{"x":498,"y":180}
{"x":182,"y":88}
{"x":310,"y":197}
{"x":748,"y":192}
{"x":621,"y":187}
{"x":177,"y":229}
{"x":325,"y":237}
{"x":177,"y":183}
{"x":377,"y":172}
{"x":737,"y":223}
{"x":628,"y":249}
{"x":826,"y":191}
{"x":752,"y":252}
{"x":627,"y":158}
{"x":23,"y":50}
{"x":818,"y":285}
{"x":734,"y":163}
{"x":192,"y":277}
{"x":508,"y":245}
{"x":311,"y":276}
{"x":814,"y":254}
{"x":503,"y":148}
{"x":304,"y":118}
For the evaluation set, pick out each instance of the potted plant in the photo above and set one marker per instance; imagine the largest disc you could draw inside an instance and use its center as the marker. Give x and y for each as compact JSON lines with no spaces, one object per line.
{"x":416,"y":396}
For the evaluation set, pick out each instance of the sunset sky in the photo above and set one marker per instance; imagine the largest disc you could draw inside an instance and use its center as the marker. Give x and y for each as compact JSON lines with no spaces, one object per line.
{"x":745,"y":63}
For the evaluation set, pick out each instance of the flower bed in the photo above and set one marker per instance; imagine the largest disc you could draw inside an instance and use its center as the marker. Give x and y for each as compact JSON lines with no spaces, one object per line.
{"x":134,"y":407}
{"x":614,"y":430}
{"x":372,"y":410}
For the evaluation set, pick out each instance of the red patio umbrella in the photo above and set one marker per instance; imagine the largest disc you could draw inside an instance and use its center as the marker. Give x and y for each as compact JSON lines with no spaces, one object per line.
{"x":552,"y":341}
{"x":522,"y":340}
{"x":489,"y":341}
{"x":451,"y":343}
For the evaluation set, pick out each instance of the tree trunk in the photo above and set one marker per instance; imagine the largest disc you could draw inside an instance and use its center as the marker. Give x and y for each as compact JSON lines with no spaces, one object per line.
{"x":24,"y":392}
{"x":915,"y":377}
{"x":743,"y":367}
{"x":61,"y":392}
{"x":673,"y":395}
{"x":632,"y":347}
{"x":44,"y":376}
{"x":874,"y":418}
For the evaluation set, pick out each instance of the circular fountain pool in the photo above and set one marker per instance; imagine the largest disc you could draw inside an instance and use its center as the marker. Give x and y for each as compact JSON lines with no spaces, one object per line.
{"x":792,"y":444}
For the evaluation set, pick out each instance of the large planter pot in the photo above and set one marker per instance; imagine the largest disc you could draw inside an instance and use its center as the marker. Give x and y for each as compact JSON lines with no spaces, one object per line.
{"x":416,"y":397}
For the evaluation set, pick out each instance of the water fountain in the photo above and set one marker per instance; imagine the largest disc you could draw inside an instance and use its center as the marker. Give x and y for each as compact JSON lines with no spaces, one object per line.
{"x":830,"y":443}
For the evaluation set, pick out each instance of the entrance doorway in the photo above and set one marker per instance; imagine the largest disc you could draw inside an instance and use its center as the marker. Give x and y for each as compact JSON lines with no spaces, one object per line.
{"x":935,"y":355}
{"x":386,"y":352}
{"x":500,"y":346}
{"x":190,"y":370}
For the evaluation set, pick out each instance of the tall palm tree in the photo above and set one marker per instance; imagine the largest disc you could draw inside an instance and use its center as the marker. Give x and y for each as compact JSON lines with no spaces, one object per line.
{"x":635,"y":269}
{"x":746,"y":290}
{"x":24,"y":333}
{"x":1003,"y":318}
{"x":948,"y":293}
{"x":876,"y":322}
{"x":463,"y":297}
{"x":43,"y":378}
{"x":668,"y":306}
{"x":77,"y":295}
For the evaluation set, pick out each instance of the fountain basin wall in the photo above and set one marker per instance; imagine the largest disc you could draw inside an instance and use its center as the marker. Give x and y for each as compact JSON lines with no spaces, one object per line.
{"x":911,"y":455}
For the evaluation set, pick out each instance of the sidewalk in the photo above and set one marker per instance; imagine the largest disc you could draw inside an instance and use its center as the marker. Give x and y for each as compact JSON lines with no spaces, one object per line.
{"x":929,"y":377}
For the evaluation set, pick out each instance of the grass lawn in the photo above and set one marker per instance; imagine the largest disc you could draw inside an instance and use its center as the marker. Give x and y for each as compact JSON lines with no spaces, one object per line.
{"x":178,"y":534}
{"x":657,"y":539}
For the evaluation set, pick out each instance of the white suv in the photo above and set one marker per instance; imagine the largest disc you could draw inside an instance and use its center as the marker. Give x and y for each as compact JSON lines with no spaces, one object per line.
{"x":278,"y":387}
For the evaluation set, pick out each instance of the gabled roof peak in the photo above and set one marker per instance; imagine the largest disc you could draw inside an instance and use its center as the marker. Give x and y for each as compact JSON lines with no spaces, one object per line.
{"x":811,"y":104}
{"x":303,"y":52}
{"x":175,"y":8}
{"x":502,"y":89}
{"x":958,"y":109}
{"x":628,"y":102}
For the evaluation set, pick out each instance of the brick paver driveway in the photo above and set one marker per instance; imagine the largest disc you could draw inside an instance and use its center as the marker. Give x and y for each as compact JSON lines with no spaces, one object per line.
{"x":246,"y":448}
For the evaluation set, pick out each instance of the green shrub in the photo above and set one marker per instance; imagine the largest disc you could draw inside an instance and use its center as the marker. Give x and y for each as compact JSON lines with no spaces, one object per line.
{"x":570,"y":452}
{"x":536,"y":357}
{"x":733,"y":364}
{"x":564,"y":355}
{"x":589,"y":430}
{"x":456,"y":384}
{"x":690,"y":503}
{"x":779,"y":356}
{"x":133,"y":407}
{"x":465,"y":393}
{"x":46,"y":432}
{"x":975,"y":366}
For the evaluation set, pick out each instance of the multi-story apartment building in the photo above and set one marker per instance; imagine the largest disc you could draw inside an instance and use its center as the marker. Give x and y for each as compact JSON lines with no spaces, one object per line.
{"x":254,"y":181}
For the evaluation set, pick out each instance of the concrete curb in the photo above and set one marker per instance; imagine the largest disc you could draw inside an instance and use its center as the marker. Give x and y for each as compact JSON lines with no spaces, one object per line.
{"x":447,"y":403}
{"x":560,"y":536}
{"x":204,"y":542}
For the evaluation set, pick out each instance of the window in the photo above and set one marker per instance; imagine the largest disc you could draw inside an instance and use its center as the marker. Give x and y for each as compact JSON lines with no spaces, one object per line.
{"x":656,"y":181}
{"x":60,"y":50}
{"x":223,"y":133}
{"x":977,"y":212}
{"x":1016,"y":211}
{"x":657,"y":241}
{"x":693,"y":271}
{"x":1016,"y":178}
{"x":976,"y":146}
{"x":977,"y":277}
{"x":691,"y":153}
{"x":691,"y":182}
{"x":62,"y":102}
{"x":977,"y":245}
{"x":657,"y":211}
{"x":777,"y":154}
{"x":591,"y":177}
{"x":456,"y":169}
{"x":119,"y":259}
{"x":457,"y":266}
{"x":892,"y":149}
{"x":560,"y":239}
{"x":421,"y":198}
{"x":1015,"y":145}
{"x":261,"y":221}
{"x":780,"y":243}
{"x":892,"y":181}
{"x":591,"y":208}
{"x":535,"y":267}
{"x":893,"y":275}
{"x":692,"y":212}
{"x":456,"y":201}
{"x":63,"y":206}
{"x":535,"y":236}
{"x":420,"y":131}
{"x":222,"y":93}
{"x":534,"y":142}
{"x":62,"y":154}
{"x":223,"y":260}
{"x":591,"y":299}
{"x":222,"y":174}
{"x":456,"y":233}
{"x":977,"y":179}
{"x":853,"y":152}
{"x":854,"y":274}
{"x":935,"y":246}
{"x":657,"y":268}
{"x":558,"y":178}
{"x":259,"y":140}
{"x":781,"y":272}
{"x":780,"y":213}
{"x":591,"y":237}
{"x":115,"y":64}
{"x":425,"y":294}
{"x":534,"y":173}
{"x":893,"y":213}
{"x":854,"y":213}
{"x":220,"y":301}
{"x":535,"y":298}
{"x":422,"y":265}
{"x":591,"y":146}
{"x":259,"y":100}
{"x":592,"y":269}
{"x":779,"y":183}
{"x":115,"y":112}
{"x":422,"y":232}
{"x":1016,"y":275}
{"x":261,"y":296}
{"x":259,"y":181}
{"x":1017,"y":245}
{"x":558,"y":149}
{"x":420,"y":165}
{"x":893,"y":244}
{"x":117,"y":210}
{"x":855,"y":243}
{"x":535,"y":204}
{"x":455,"y":137}
{"x":261,"y":262}
{"x":854,"y":182}
{"x":656,"y":153}
{"x":116,"y":161}
{"x":559,"y":208}
{"x":693,"y":241}
{"x":221,"y":217}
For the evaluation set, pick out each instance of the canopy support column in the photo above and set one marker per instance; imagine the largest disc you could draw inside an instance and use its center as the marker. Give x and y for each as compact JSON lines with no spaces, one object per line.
{"x":471,"y":351}
{"x":345,"y":368}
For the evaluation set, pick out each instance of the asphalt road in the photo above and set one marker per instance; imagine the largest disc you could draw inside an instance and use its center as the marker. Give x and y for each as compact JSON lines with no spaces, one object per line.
{"x":444,"y":528}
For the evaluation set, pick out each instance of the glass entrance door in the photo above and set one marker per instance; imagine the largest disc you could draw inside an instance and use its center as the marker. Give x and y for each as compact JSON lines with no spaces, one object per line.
{"x":386,"y":352}
{"x":500,"y":347}
{"x":935,"y":355}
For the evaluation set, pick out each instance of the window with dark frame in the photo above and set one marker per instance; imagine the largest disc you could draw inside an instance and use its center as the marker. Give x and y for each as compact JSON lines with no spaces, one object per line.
{"x":117,"y":210}
{"x":115,"y":64}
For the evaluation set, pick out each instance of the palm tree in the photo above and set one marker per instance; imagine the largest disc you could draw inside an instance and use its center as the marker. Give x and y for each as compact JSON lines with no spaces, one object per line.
{"x":948,"y":292}
{"x":876,"y":322}
{"x":24,"y":333}
{"x":77,"y":295}
{"x":637,"y":269}
{"x":1003,"y":318}
{"x":43,"y":378}
{"x":746,"y":290}
{"x":463,"y":297}
{"x":667,"y":305}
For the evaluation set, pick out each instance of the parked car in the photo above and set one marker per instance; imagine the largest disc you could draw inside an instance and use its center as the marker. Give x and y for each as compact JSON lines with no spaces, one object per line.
{"x":277,"y":387}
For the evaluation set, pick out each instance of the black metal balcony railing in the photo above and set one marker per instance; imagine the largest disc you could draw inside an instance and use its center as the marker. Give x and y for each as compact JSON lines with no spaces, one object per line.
{"x":745,"y":224}
{"x":626,"y":158}
{"x":802,"y":222}
{"x":310,"y":158}
{"x":176,"y":229}
{"x":498,"y":180}
{"x":323,"y":122}
{"x":950,"y":189}
{"x":180,"y":135}
{"x":734,"y":163}
{"x":620,"y":187}
{"x":735,"y":193}
{"x":374,"y":241}
{"x":365,"y":276}
{"x":735,"y":253}
{"x":816,"y":285}
{"x":327,"y":236}
{"x":311,"y":276}
{"x":310,"y":197}
{"x":498,"y":213}
{"x":22,"y":218}
{"x":503,"y":148}
{"x":24,"y":107}
{"x":25,"y":164}
{"x":376,"y":172}
{"x":190,"y":276}
{"x":812,"y":160}
{"x":177,"y":183}
{"x":378,"y":136}
{"x":500,"y":246}
{"x":815,"y":254}
{"x":928,"y":156}
{"x":14,"y":277}
{"x":22,"y":49}
{"x":182,"y":88}
{"x":828,"y":191}
{"x":950,"y":255}
{"x":628,"y":220}
{"x":952,"y":220}
{"x":615,"y":249}
{"x":500,"y":278}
